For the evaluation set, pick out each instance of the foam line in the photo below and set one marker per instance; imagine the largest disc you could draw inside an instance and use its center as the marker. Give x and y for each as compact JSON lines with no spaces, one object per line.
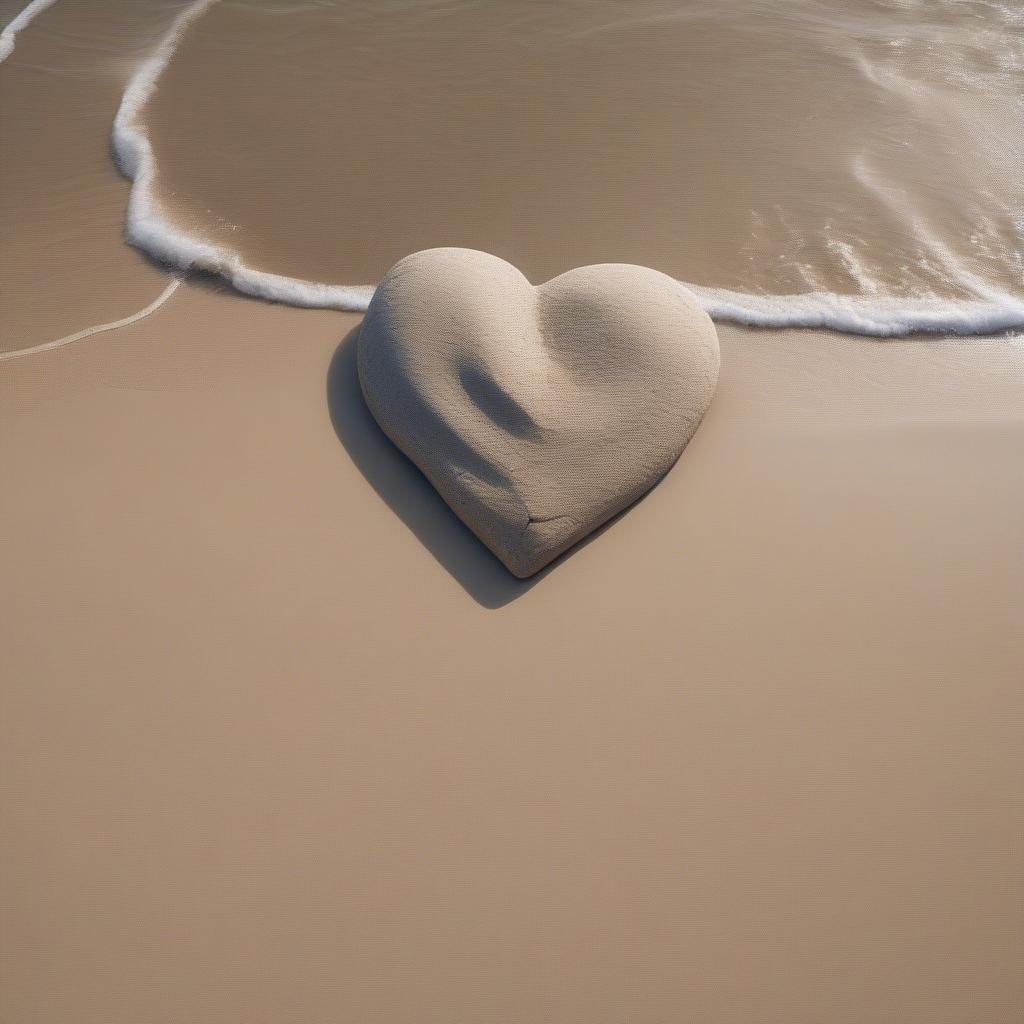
{"x":148,"y":229}
{"x":880,"y":316}
{"x":69,"y":339}
{"x":14,"y":26}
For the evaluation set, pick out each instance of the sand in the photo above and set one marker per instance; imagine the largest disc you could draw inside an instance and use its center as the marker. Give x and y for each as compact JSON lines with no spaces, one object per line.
{"x":538,"y":413}
{"x":280,"y":741}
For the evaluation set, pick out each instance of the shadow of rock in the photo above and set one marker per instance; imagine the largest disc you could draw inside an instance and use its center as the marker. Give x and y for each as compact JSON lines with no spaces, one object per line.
{"x":409,"y":494}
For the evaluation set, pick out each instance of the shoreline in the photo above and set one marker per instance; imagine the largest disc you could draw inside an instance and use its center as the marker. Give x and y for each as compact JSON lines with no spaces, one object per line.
{"x":281,"y":740}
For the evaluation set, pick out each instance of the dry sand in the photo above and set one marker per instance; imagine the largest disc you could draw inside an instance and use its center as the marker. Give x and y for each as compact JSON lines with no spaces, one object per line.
{"x":279,"y":740}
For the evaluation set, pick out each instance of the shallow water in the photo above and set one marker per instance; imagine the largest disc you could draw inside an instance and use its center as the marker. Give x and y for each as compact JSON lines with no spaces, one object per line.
{"x":861,"y":159}
{"x":864,"y":149}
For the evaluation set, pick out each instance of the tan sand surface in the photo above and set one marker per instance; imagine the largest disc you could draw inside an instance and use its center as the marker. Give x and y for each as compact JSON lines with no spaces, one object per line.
{"x":281,"y":740}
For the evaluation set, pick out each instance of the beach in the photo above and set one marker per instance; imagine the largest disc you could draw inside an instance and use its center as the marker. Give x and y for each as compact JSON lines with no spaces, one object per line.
{"x":281,"y":740}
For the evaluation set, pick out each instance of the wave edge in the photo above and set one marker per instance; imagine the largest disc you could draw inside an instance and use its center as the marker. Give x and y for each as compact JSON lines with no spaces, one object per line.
{"x":17,"y":23}
{"x":148,"y":229}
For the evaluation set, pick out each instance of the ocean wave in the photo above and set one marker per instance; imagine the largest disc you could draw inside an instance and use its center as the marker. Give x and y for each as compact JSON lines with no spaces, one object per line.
{"x":13,"y":27}
{"x":150,"y":230}
{"x":880,"y":316}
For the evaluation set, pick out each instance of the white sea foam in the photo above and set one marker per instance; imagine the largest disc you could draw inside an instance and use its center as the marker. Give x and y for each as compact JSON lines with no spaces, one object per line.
{"x":878,"y":315}
{"x":149,"y":229}
{"x":88,"y":332}
{"x":13,"y":27}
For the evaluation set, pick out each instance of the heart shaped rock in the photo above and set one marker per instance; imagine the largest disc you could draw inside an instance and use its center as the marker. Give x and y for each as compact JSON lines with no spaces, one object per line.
{"x":537,"y":413}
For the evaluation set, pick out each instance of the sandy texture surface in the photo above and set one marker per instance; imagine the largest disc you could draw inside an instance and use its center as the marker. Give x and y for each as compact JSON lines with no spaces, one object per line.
{"x":537,"y":413}
{"x":282,"y":740}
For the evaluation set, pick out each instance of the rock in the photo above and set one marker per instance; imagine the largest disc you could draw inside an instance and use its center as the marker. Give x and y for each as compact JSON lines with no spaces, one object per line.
{"x":537,"y":413}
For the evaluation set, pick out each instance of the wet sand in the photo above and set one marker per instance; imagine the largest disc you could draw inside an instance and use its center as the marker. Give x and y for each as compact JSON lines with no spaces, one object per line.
{"x":279,"y":740}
